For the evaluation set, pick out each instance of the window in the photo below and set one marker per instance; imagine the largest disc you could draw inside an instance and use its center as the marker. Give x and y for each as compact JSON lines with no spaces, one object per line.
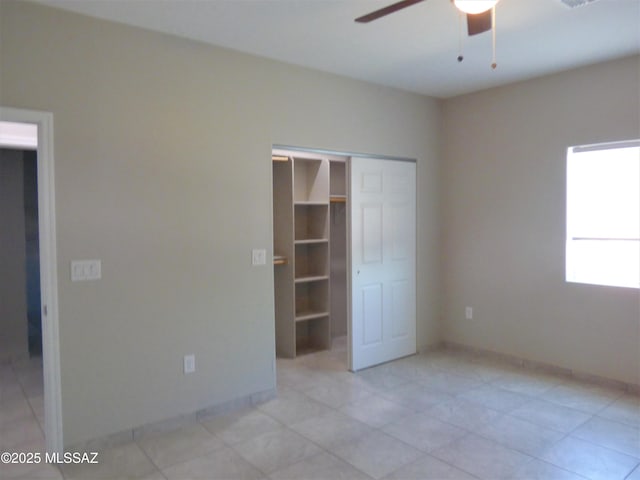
{"x":603,"y":214}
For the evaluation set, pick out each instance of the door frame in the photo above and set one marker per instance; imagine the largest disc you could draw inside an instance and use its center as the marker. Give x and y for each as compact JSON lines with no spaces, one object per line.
{"x":48,"y":271}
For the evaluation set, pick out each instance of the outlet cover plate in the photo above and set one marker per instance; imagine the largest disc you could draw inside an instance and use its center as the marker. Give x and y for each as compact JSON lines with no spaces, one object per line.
{"x":258,"y":256}
{"x":189,"y":363}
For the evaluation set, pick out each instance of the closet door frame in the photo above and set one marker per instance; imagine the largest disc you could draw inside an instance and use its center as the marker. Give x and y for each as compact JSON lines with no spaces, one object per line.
{"x":347,"y":156}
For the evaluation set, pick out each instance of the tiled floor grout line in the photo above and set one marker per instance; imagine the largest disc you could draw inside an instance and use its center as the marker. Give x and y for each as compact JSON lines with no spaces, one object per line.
{"x":288,"y":427}
{"x":144,"y":452}
{"x":540,"y":396}
{"x":26,"y":399}
{"x":380,"y":430}
{"x":569,"y":434}
{"x":378,"y":385}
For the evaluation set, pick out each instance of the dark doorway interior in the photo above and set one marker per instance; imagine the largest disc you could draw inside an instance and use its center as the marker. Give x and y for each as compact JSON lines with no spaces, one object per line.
{"x":22,"y":255}
{"x":32,"y":243}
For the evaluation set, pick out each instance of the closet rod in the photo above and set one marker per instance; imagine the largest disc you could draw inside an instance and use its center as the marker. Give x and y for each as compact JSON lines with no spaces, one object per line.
{"x":279,"y":260}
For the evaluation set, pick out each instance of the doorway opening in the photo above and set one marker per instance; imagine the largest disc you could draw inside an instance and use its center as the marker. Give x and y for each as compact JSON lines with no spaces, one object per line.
{"x":33,"y":131}
{"x":309,"y":215}
{"x":21,"y":335}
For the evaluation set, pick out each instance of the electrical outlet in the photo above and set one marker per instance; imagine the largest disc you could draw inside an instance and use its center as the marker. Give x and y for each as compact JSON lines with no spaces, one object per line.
{"x":189,"y":363}
{"x":468,"y":313}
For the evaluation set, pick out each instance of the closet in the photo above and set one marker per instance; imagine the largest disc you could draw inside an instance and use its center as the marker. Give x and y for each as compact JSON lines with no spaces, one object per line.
{"x":344,"y":239}
{"x":309,"y":219}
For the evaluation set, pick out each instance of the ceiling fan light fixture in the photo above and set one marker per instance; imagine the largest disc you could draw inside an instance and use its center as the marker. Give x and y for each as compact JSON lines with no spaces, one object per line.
{"x":474,"y":6}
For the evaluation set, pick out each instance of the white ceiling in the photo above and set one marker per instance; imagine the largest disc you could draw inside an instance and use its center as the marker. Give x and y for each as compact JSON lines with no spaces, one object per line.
{"x":414,"y":49}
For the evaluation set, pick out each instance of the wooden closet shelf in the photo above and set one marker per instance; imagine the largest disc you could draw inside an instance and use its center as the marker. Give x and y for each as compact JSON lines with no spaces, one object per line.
{"x":311,"y":240}
{"x":307,"y":203}
{"x":279,"y":158}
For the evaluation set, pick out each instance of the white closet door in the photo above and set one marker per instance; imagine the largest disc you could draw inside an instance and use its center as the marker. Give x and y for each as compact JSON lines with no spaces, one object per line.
{"x":382,"y":246}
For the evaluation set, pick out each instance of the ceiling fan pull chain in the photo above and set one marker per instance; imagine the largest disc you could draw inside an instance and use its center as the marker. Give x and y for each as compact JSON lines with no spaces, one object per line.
{"x":494,"y":64}
{"x":461,"y":37}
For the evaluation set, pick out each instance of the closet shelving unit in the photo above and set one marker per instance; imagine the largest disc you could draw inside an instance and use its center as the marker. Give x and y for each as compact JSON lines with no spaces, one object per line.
{"x":301,"y":254}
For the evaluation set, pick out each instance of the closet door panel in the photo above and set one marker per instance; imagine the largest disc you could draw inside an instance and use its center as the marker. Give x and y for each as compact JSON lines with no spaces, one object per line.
{"x":382,"y":233}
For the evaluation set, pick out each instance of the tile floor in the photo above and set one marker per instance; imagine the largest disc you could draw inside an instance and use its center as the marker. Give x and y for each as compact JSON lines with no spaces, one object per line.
{"x":442,"y":415}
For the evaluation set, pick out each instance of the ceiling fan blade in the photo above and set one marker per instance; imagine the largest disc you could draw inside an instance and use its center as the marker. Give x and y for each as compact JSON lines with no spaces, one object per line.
{"x":478,"y":23}
{"x":386,"y":10}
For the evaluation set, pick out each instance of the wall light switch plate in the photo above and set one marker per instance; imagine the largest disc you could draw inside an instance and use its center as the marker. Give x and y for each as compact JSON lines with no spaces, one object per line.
{"x":189,"y":363}
{"x":259,"y":257}
{"x":468,"y":313}
{"x":82,"y":270}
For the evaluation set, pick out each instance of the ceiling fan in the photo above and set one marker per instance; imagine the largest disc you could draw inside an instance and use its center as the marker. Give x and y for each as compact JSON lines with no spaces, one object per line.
{"x":480,"y":15}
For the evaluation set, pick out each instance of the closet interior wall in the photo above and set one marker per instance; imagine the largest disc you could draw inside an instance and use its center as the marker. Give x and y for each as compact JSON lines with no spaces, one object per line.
{"x":338,"y":243}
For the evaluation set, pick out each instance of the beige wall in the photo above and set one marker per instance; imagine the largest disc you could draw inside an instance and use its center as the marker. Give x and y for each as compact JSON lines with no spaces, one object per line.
{"x":162,"y":151}
{"x":163,"y":172}
{"x":13,"y":299}
{"x":504,"y":221}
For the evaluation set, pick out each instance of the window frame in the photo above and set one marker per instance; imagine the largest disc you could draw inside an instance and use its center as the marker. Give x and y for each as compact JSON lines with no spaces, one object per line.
{"x":586,"y":275}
